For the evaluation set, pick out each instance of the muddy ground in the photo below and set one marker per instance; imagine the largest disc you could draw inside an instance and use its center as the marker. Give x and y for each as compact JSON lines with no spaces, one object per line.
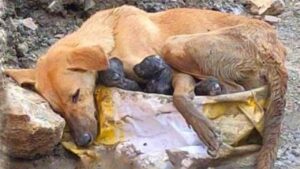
{"x":21,"y":44}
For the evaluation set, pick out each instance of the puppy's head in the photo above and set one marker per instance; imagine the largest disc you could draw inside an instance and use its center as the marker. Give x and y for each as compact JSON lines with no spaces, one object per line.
{"x":114,"y":75}
{"x":209,"y":87}
{"x":65,"y":77}
{"x":149,"y":67}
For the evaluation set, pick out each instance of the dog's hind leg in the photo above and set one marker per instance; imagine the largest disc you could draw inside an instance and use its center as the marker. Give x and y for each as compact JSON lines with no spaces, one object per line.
{"x":182,"y":98}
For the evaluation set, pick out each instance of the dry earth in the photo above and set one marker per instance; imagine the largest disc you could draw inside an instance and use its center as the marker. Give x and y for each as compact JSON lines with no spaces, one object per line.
{"x":289,"y":33}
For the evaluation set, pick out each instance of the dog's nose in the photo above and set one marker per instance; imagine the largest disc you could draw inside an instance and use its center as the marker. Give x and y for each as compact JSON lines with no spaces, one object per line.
{"x":85,"y":139}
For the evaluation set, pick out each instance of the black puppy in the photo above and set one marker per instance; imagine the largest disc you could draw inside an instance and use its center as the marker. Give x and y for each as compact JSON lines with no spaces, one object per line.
{"x":157,"y":73}
{"x":114,"y":77}
{"x":208,"y":87}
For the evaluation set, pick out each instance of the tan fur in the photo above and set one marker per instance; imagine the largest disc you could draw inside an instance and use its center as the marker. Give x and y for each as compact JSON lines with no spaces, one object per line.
{"x":238,"y":54}
{"x":131,"y":35}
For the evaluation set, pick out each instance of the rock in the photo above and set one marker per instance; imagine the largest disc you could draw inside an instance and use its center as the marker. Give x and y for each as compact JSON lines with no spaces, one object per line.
{"x":296,"y":8}
{"x":296,"y":152}
{"x":56,"y":6}
{"x":269,"y":7}
{"x":29,"y":23}
{"x":29,"y":126}
{"x":3,"y":39}
{"x":89,"y":4}
{"x":271,"y":19}
{"x":276,"y":8}
{"x":254,"y":10}
{"x":3,"y":43}
{"x":22,"y":49}
{"x":2,"y":8}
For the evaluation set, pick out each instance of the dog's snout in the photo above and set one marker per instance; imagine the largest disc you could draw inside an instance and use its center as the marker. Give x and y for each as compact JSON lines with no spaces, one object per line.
{"x":85,"y":139}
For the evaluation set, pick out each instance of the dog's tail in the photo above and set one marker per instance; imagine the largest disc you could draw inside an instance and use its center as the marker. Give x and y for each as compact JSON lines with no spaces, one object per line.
{"x":276,"y":75}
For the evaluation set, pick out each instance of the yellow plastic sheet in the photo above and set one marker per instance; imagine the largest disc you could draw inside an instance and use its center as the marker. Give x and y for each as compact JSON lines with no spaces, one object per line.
{"x":110,"y":132}
{"x":236,"y":119}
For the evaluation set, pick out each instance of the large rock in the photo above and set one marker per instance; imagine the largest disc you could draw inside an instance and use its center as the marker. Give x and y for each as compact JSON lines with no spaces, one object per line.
{"x":29,"y":127}
{"x":268,"y":7}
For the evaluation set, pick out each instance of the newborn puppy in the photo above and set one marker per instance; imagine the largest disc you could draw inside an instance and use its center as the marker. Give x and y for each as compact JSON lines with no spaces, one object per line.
{"x":208,"y":87}
{"x":114,"y":77}
{"x":157,"y":72}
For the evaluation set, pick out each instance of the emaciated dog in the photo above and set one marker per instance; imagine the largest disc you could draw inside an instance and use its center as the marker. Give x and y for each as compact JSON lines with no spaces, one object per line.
{"x":65,"y":76}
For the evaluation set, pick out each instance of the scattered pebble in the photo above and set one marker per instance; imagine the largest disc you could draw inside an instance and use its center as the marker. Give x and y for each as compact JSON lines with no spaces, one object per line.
{"x":296,"y":153}
{"x":29,"y":23}
{"x":271,"y":19}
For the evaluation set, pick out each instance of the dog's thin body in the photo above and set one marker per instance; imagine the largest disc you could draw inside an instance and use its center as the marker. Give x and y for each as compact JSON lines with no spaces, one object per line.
{"x":242,"y":54}
{"x":131,"y":35}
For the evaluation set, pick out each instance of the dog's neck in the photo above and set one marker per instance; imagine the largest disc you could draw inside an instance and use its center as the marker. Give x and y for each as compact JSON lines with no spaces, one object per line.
{"x":102,"y":36}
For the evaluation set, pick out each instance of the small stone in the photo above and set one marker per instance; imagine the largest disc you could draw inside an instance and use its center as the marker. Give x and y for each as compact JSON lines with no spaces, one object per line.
{"x":257,"y":17}
{"x":56,"y":6}
{"x":186,"y":163}
{"x":2,"y":8}
{"x":29,"y":23}
{"x":3,"y":37}
{"x":51,"y":41}
{"x":59,"y":35}
{"x":22,"y":48}
{"x":89,"y":4}
{"x":271,"y":19}
{"x":29,"y":127}
{"x":296,"y":152}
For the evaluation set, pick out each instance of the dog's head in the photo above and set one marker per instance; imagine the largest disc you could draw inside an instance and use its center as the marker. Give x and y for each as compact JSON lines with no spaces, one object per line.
{"x":65,"y":77}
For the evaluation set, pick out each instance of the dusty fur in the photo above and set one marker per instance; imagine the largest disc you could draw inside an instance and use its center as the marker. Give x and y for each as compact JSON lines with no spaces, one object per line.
{"x":240,"y":54}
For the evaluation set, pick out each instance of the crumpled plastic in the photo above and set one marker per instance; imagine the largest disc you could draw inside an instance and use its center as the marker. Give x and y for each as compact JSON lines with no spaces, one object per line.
{"x":139,"y":130}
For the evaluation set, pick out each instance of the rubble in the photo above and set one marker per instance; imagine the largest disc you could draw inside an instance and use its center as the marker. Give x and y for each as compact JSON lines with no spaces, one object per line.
{"x":267,"y":7}
{"x":29,"y":23}
{"x":271,"y":19}
{"x":29,"y":127}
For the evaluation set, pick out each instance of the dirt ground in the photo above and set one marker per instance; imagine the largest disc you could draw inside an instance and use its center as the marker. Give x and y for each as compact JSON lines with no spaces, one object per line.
{"x":289,"y":33}
{"x":24,"y":45}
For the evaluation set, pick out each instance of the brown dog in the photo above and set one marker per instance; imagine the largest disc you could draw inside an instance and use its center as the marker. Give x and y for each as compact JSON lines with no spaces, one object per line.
{"x":66,"y":74}
{"x":241,"y":54}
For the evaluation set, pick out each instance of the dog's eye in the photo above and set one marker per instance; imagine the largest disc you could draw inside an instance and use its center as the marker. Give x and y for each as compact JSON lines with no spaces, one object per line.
{"x":75,"y":96}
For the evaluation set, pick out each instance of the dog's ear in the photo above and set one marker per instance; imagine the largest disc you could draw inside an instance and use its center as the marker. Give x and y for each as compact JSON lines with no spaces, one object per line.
{"x":87,"y":58}
{"x":24,"y":77}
